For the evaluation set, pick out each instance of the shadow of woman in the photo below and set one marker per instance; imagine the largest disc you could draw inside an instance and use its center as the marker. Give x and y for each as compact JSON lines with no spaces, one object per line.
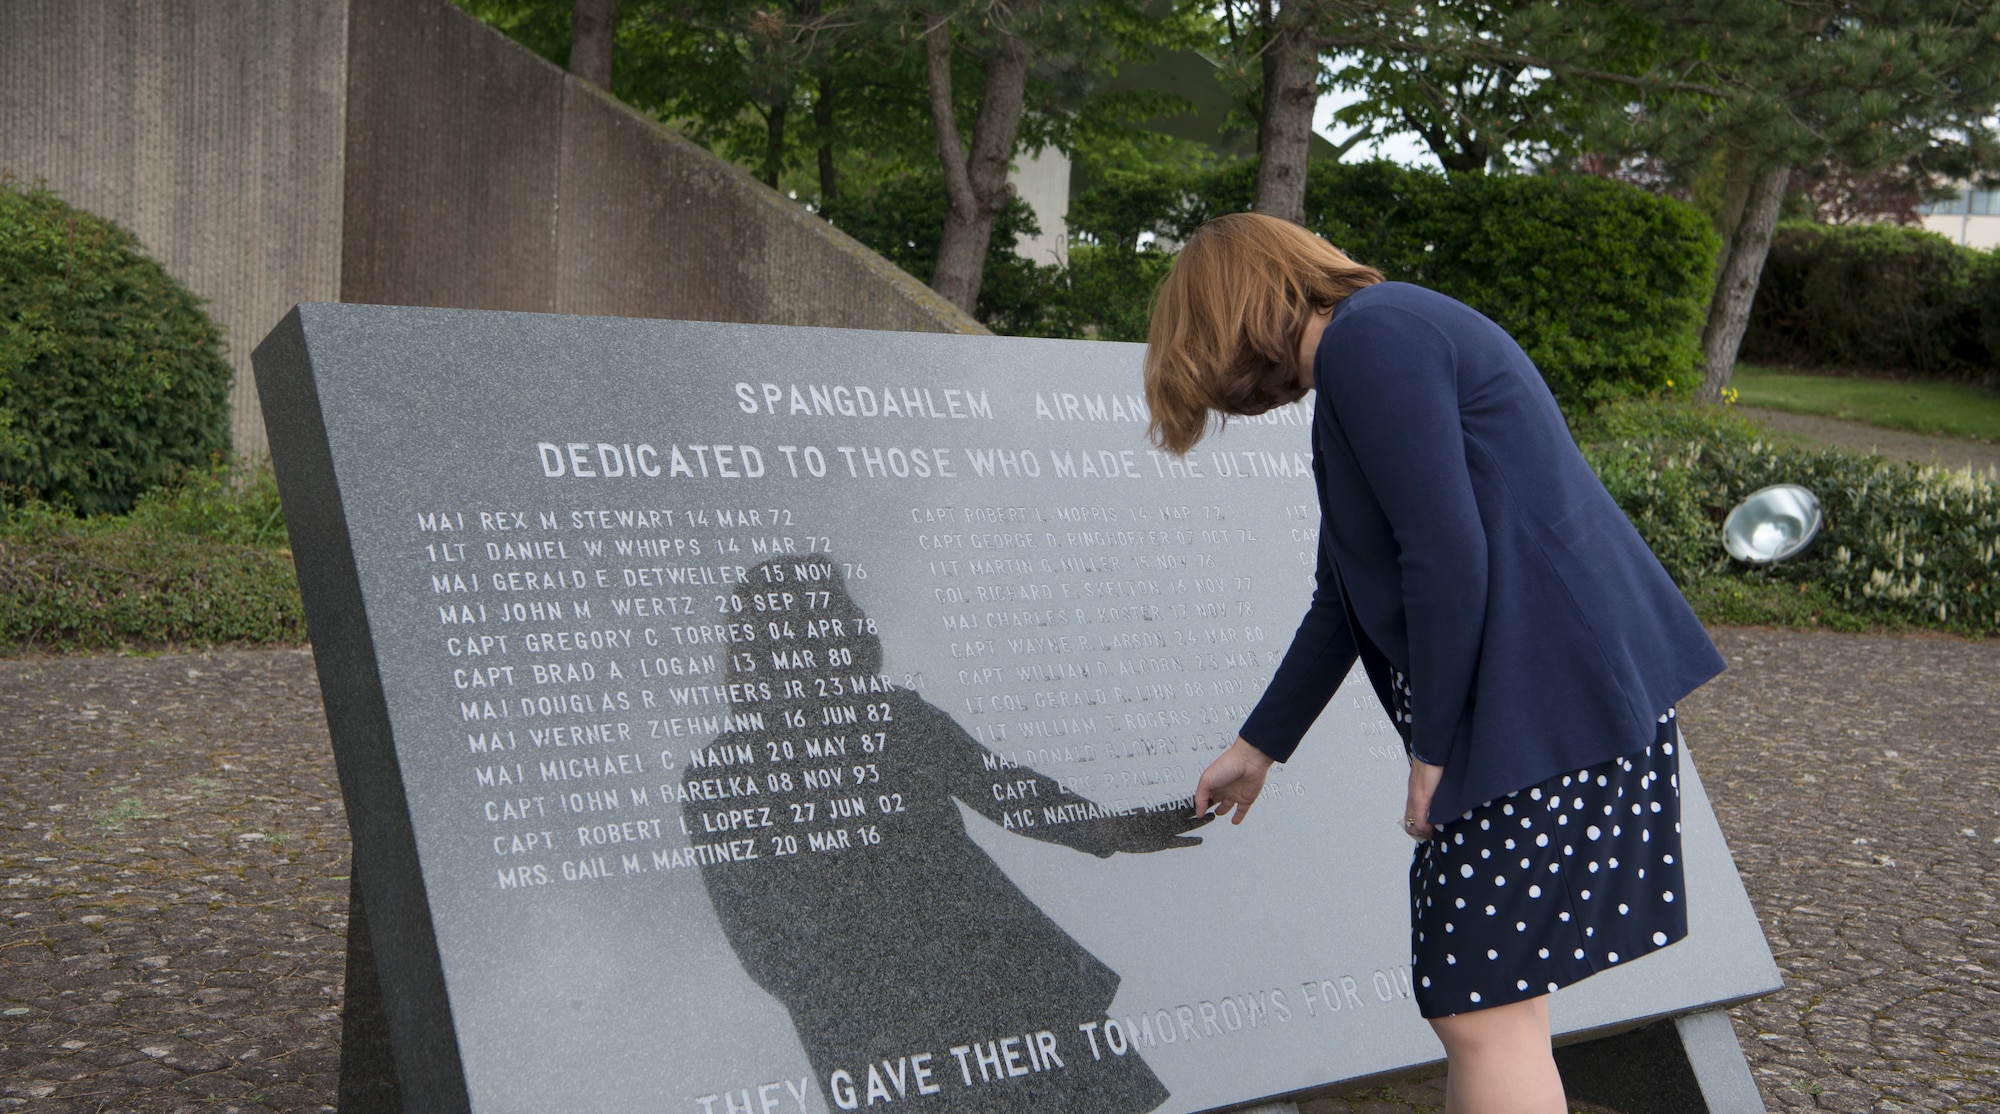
{"x":911,"y":965}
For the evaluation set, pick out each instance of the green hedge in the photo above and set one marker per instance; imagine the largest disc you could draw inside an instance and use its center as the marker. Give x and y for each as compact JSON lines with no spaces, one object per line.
{"x":111,"y":376}
{"x":1902,"y":546}
{"x":1876,"y":297}
{"x":1605,"y":286}
{"x":199,"y":562}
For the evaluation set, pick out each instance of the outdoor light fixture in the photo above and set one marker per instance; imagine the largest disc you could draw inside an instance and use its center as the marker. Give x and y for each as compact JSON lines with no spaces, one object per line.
{"x":1774,"y":524}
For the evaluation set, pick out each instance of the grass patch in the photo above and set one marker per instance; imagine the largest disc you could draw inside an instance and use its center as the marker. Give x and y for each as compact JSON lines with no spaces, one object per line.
{"x":1939,"y":409}
{"x":113,"y":819}
{"x":200,"y":562}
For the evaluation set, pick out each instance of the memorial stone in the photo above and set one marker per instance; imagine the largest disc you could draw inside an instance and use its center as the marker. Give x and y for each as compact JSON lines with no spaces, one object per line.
{"x":739,"y":718}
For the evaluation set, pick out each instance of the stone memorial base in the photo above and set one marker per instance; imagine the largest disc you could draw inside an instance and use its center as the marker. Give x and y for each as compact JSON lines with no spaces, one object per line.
{"x":1691,"y":1064}
{"x":808,"y":719}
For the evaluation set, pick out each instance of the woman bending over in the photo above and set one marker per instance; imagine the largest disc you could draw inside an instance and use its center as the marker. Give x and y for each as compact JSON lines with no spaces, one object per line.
{"x":1527,"y":645}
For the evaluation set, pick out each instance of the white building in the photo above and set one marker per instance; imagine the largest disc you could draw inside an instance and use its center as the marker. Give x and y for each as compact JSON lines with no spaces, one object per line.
{"x":1971,"y":219}
{"x":1041,"y":179}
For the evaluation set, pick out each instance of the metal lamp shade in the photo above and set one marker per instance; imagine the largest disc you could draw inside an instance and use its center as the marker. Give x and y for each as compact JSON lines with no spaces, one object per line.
{"x":1774,"y":524}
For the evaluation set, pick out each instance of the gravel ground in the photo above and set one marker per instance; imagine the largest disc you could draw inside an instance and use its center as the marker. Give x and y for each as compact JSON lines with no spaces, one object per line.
{"x":174,"y":857}
{"x":1918,"y":448}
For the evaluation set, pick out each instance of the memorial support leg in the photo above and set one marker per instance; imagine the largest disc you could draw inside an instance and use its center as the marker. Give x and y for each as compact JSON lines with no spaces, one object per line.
{"x":1688,"y":1065}
{"x":367,"y":1062}
{"x":1709,"y":1041}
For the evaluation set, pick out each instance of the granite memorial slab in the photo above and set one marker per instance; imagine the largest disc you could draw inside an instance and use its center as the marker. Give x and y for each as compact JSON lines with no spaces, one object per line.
{"x":740,"y":718}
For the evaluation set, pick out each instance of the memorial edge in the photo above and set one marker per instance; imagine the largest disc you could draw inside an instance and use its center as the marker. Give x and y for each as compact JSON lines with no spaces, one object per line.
{"x":429,"y":1070}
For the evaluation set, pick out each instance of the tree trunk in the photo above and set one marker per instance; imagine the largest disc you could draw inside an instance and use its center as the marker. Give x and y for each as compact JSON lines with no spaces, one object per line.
{"x":1284,"y":129}
{"x":976,"y":185}
{"x":1737,"y":272}
{"x":823,"y":120}
{"x":774,"y":141}
{"x":1738,"y":169}
{"x":1462,"y":159}
{"x":593,"y":32}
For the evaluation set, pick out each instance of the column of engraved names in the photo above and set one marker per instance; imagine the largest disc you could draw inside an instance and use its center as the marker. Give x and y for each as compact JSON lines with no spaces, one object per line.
{"x":596,"y":656}
{"x":824,"y":721}
{"x":1109,"y":640}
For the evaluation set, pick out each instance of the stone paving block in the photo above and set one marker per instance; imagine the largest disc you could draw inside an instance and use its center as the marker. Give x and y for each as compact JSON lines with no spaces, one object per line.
{"x":1845,"y":770}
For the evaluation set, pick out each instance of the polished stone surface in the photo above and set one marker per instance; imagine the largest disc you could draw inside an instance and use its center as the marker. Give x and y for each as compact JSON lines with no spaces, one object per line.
{"x":808,"y":714}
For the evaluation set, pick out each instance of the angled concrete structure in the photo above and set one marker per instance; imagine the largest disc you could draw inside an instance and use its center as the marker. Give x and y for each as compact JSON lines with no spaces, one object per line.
{"x":270,"y":152}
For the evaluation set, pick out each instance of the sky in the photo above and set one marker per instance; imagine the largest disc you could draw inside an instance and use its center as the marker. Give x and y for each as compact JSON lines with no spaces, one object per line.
{"x":1404,"y":148}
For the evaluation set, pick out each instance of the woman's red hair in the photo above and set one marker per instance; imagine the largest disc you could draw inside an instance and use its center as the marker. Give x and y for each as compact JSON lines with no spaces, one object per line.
{"x":1228,"y":317}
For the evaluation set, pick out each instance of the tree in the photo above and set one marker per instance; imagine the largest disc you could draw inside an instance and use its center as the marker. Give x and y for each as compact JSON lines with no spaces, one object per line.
{"x":1291,"y":69}
{"x":771,"y":84}
{"x":593,"y":35}
{"x":1061,"y":50}
{"x":733,"y":74}
{"x":1837,"y":195}
{"x":1770,"y":87}
{"x":1285,"y":42}
{"x":1289,"y":42}
{"x":1468,"y":109}
{"x":975,"y":180}
{"x":880,"y":99}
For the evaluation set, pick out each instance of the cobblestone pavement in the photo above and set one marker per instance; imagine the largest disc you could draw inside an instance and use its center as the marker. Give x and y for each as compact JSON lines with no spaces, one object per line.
{"x":174,"y":905}
{"x":1918,"y":448}
{"x":1858,"y":780}
{"x":174,"y":860}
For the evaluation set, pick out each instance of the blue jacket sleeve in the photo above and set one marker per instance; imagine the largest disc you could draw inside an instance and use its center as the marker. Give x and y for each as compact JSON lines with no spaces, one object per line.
{"x":1390,"y":379}
{"x":1322,"y":652}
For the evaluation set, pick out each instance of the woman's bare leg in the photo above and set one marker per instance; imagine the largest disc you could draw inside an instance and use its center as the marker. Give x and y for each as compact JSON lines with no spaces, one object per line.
{"x":1499,"y":1061}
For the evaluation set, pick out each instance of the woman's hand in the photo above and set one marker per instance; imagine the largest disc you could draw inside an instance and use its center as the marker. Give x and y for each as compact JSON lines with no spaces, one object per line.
{"x":1232,"y":781}
{"x":1423,"y":784}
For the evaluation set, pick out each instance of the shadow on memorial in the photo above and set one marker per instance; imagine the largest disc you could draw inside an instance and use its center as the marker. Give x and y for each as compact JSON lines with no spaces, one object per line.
{"x":869,"y":913}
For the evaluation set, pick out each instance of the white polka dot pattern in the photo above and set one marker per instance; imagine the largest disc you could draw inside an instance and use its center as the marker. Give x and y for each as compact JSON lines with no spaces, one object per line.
{"x":1554,"y":912}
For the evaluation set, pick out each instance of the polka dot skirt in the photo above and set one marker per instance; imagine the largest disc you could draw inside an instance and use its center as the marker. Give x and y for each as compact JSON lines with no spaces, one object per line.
{"x":1549,"y":885}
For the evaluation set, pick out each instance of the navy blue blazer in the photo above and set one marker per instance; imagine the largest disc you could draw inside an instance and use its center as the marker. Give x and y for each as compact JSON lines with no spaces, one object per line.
{"x":1465,"y":543}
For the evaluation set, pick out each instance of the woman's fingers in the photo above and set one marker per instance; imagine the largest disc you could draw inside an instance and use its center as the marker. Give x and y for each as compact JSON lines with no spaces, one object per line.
{"x":1416,"y":809}
{"x":1211,"y":793}
{"x":1226,"y":801}
{"x":1231,"y":782}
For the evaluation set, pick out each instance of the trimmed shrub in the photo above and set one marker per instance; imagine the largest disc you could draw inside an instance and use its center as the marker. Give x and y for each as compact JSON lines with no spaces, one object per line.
{"x":1877,"y":297}
{"x":111,"y":376}
{"x":1902,"y":546}
{"x":1605,"y":286}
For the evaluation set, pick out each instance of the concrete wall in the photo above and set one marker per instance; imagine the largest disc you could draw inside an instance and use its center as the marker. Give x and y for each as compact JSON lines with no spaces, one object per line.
{"x":276,"y":151}
{"x":479,"y":176}
{"x":212,"y":129}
